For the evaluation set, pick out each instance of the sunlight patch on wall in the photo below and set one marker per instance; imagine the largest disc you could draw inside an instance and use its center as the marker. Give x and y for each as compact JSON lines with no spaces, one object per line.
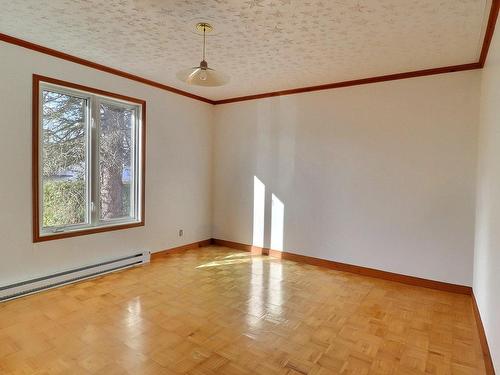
{"x":259,"y":204}
{"x":277,"y":223}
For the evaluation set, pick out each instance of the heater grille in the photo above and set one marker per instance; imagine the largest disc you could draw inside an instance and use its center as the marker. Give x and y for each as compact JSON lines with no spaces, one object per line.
{"x":38,"y":284}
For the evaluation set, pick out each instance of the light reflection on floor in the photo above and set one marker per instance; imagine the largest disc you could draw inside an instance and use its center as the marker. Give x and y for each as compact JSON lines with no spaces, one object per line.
{"x":219,"y":263}
{"x":256,"y":297}
{"x":219,"y":311}
{"x":265,"y":287}
{"x":275,"y":293}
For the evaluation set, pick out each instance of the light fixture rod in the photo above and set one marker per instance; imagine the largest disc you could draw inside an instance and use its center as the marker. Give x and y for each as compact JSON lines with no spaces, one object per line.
{"x":204,"y":40}
{"x":202,"y":75}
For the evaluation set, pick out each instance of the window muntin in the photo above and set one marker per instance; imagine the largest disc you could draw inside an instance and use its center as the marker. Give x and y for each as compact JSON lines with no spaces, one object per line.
{"x":89,"y":161}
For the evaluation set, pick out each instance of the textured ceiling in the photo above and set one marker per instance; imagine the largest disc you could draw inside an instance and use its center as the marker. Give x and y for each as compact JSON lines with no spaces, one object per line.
{"x":264,"y":45}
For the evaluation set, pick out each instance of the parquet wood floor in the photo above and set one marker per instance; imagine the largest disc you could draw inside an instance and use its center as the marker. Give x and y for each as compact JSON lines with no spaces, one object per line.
{"x":218,"y":311}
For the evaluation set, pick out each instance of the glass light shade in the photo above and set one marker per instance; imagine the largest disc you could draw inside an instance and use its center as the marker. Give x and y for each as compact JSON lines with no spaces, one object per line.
{"x":202,"y":77}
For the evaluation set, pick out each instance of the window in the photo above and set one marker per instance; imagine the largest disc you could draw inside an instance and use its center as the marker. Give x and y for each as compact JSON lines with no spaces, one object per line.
{"x":88,"y":160}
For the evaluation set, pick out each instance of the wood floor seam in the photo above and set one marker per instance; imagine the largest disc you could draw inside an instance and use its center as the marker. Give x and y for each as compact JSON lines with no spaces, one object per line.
{"x":216,"y":310}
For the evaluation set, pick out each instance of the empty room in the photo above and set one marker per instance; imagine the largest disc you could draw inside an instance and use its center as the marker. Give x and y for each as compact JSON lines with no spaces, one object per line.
{"x":250,"y":187}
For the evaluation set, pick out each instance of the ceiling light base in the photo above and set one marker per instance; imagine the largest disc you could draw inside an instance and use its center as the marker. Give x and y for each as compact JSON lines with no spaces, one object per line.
{"x":204,"y":27}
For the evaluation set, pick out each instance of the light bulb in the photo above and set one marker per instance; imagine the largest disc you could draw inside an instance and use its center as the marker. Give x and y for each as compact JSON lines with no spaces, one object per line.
{"x":203,"y":75}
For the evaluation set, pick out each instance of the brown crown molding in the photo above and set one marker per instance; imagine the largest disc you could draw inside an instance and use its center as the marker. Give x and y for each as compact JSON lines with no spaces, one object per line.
{"x":356,"y":82}
{"x":103,"y":68}
{"x":490,"y":28}
{"x":488,"y":36}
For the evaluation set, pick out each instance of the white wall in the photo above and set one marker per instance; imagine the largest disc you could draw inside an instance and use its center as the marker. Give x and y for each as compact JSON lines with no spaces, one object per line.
{"x":380,"y":175}
{"x":178,"y":178}
{"x":487,"y":250}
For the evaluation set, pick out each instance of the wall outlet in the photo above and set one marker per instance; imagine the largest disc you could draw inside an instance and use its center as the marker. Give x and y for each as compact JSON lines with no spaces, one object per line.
{"x":181,"y":232}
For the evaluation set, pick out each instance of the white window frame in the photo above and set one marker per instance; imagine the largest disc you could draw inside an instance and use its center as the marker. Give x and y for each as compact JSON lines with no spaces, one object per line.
{"x":93,"y":222}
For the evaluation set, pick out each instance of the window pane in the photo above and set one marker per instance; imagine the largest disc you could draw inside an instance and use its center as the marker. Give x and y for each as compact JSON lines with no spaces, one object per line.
{"x":64,"y":151}
{"x":116,"y":167}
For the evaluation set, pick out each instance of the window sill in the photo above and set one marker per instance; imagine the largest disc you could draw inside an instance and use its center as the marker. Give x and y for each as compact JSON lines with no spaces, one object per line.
{"x":37,"y":237}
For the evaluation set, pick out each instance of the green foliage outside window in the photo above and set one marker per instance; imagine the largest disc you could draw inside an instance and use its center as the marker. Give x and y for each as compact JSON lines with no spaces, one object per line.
{"x":72,"y":196}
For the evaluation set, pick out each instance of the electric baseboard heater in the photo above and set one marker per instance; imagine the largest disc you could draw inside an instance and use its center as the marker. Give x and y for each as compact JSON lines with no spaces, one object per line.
{"x":38,"y":284}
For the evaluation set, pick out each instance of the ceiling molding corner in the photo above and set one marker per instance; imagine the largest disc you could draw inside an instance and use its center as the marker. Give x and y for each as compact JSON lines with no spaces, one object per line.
{"x":488,"y":36}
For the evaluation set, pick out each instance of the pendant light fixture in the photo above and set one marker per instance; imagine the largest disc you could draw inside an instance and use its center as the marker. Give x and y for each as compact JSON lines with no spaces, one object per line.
{"x":202,"y":75}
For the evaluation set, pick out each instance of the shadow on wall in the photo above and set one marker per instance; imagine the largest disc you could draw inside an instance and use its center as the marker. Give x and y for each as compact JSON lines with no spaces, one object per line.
{"x":259,"y":217}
